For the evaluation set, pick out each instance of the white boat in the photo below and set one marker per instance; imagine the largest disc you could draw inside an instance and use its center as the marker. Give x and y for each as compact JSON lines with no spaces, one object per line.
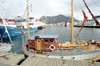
{"x":4,"y":47}
{"x":89,"y":23}
{"x":14,"y":30}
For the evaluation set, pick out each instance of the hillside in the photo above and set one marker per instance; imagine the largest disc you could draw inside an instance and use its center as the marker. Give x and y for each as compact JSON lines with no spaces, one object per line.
{"x":55,"y":19}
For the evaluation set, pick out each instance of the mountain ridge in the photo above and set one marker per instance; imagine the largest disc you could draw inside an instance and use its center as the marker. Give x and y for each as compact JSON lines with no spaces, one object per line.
{"x":56,"y":19}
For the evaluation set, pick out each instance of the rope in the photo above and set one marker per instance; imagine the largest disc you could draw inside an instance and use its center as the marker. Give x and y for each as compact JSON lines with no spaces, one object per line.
{"x":75,"y":11}
{"x":80,"y":5}
{"x":95,"y":3}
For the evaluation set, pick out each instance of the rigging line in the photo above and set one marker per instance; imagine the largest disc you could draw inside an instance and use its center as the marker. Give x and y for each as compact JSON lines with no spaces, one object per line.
{"x":11,"y":15}
{"x":75,"y":10}
{"x":24,"y":13}
{"x":96,"y":4}
{"x":80,"y":5}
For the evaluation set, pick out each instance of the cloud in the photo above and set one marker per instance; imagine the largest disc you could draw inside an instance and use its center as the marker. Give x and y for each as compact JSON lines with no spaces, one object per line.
{"x":49,"y":8}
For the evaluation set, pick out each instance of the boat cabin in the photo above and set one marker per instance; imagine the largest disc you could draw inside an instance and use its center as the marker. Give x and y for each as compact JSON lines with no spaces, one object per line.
{"x":21,"y":22}
{"x":43,"y":42}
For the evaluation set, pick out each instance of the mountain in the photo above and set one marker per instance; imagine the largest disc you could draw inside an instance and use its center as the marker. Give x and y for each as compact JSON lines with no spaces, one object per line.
{"x":55,"y":19}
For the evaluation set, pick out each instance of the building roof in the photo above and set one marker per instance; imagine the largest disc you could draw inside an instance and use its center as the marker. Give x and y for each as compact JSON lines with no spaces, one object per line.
{"x":31,"y":38}
{"x":43,"y":36}
{"x":48,"y":36}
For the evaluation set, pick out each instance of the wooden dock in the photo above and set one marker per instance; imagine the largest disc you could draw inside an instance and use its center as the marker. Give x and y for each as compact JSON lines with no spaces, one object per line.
{"x":41,"y":61}
{"x":10,"y":59}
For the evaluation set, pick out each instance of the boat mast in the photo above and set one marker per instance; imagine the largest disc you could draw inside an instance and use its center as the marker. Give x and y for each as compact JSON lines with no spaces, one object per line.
{"x":28,"y":20}
{"x":72,"y":22}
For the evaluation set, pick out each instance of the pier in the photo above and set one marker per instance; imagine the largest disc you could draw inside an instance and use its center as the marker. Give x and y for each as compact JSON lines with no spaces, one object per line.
{"x":13,"y":59}
{"x":10,"y":59}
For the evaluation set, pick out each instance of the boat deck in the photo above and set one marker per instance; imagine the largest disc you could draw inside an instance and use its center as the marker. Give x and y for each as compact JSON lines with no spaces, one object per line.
{"x":84,"y":47}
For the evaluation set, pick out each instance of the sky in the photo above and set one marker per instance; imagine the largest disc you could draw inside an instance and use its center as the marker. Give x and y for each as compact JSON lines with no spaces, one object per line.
{"x":39,"y":8}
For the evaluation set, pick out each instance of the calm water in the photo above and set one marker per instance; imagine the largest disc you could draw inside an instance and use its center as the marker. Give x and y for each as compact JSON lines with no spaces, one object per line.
{"x":62,"y":32}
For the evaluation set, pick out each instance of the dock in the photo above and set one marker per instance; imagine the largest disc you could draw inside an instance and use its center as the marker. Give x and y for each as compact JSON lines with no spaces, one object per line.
{"x":41,"y":61}
{"x":13,"y":59}
{"x":10,"y":59}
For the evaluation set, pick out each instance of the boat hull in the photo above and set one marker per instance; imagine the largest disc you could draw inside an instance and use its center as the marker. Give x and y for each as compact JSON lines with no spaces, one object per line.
{"x":97,"y":26}
{"x":14,"y":31}
{"x":5,"y":48}
{"x":74,"y":56}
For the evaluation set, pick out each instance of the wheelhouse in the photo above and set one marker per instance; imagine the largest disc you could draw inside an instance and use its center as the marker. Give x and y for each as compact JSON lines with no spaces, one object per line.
{"x":43,"y":42}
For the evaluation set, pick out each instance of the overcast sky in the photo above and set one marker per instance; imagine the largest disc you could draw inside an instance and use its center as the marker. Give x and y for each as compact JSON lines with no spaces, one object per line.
{"x":49,"y":8}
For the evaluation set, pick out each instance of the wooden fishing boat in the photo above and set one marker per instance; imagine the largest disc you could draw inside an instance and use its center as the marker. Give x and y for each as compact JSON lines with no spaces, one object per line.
{"x":49,"y":46}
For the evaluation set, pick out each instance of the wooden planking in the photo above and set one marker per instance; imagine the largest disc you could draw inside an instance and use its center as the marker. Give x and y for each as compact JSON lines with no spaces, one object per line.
{"x":2,"y":54}
{"x":95,"y":58}
{"x":9,"y":58}
{"x":13,"y":59}
{"x":43,"y":61}
{"x":2,"y":64}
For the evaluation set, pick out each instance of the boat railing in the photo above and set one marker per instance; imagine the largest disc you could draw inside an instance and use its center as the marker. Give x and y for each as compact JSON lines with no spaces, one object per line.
{"x":57,"y":50}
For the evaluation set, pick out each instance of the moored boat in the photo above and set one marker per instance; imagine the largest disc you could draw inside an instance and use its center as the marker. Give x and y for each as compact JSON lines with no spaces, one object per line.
{"x":14,"y":30}
{"x":49,"y":46}
{"x":5,"y":47}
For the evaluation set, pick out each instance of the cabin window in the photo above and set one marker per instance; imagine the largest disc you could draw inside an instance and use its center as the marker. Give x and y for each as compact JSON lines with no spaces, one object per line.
{"x":52,"y":41}
{"x":30,"y":23}
{"x":46,"y":40}
{"x":38,"y":40}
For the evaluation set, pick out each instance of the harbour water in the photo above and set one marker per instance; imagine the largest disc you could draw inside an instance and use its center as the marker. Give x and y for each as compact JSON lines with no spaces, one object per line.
{"x":63,"y":33}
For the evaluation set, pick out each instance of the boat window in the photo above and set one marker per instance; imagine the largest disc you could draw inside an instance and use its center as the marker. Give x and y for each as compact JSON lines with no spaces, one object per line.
{"x":46,"y":40}
{"x":38,"y":40}
{"x":30,"y":23}
{"x":52,"y":40}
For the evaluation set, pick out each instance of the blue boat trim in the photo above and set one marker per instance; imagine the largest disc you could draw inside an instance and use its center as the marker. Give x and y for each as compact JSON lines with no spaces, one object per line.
{"x":31,"y":38}
{"x":72,"y":54}
{"x":48,"y":36}
{"x":20,"y":20}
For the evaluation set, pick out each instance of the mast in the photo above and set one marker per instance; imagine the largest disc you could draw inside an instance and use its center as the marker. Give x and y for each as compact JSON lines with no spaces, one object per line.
{"x":28,"y":20}
{"x":72,"y":22}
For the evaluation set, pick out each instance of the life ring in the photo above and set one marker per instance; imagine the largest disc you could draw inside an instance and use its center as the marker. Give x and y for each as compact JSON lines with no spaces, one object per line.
{"x":52,"y":47}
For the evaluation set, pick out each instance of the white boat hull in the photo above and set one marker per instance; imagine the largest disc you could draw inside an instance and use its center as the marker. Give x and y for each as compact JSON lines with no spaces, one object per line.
{"x":74,"y":57}
{"x":5,"y":48}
